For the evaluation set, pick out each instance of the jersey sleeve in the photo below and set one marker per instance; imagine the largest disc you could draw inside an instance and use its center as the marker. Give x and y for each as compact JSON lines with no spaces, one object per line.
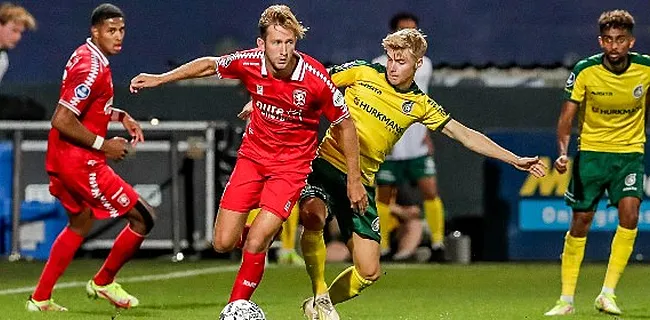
{"x":228,"y":66}
{"x":345,"y":74}
{"x":574,"y":90}
{"x":78,"y":84}
{"x":435,"y":117}
{"x":333,"y":105}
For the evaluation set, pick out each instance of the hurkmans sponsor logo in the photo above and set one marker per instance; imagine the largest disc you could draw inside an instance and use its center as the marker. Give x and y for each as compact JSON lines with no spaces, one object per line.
{"x":390,"y":124}
{"x":616,"y":111}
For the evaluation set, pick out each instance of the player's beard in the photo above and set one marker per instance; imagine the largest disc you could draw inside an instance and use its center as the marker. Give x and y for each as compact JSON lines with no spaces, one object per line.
{"x":617,"y":64}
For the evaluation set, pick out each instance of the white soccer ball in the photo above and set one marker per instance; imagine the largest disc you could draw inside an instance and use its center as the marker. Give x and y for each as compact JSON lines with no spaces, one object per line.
{"x":242,"y":310}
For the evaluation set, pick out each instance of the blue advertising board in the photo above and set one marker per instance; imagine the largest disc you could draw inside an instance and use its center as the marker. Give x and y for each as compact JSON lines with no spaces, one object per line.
{"x":535,"y":216}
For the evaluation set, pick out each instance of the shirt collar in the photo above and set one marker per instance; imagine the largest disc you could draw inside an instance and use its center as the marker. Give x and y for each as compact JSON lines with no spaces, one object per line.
{"x":298,"y":73}
{"x":96,"y":51}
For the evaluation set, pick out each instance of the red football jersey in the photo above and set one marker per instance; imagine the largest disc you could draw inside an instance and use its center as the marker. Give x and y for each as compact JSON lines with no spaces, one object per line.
{"x":286,"y":112}
{"x":87,"y":90}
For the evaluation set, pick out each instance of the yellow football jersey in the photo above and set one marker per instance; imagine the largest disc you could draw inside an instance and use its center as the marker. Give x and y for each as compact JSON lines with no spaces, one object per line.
{"x":381,"y":114}
{"x":611,"y":117}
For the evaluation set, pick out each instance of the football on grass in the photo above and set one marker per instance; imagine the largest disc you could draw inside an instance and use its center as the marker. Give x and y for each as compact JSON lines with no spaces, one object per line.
{"x":242,"y":310}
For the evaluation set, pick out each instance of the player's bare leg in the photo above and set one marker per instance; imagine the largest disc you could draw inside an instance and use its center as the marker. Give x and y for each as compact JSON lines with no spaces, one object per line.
{"x":410,"y":236}
{"x":63,"y":250}
{"x":622,"y":246}
{"x":261,"y":234}
{"x":313,"y":213}
{"x":141,"y":221}
{"x":228,"y":229}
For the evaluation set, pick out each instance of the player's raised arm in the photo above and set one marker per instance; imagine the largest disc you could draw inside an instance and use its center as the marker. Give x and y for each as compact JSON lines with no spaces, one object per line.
{"x":481,"y":144}
{"x":569,"y":109}
{"x":198,"y":68}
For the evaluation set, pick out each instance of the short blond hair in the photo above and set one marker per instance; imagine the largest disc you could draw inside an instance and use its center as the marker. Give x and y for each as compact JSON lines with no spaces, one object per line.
{"x":281,"y":15}
{"x":406,"y":39}
{"x":12,"y":12}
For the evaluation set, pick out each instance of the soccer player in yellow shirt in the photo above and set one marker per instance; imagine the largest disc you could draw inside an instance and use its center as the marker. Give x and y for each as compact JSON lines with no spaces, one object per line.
{"x":383,"y":102}
{"x":608,"y":92}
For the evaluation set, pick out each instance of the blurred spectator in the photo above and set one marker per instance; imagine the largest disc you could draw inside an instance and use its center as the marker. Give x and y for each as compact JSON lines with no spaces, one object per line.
{"x":406,"y":222}
{"x":14,"y":20}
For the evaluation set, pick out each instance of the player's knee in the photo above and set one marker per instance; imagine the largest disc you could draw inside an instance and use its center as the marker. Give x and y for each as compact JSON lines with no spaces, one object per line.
{"x":370,"y":272}
{"x":580,"y":224}
{"x":582,"y":220}
{"x":255,"y":244}
{"x":629,"y":219}
{"x":81,"y":223}
{"x":313,"y":214}
{"x":145,"y":218}
{"x":222,"y":243}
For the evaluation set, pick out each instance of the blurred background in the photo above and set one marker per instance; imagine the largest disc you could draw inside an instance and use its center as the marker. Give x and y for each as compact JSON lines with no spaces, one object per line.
{"x":499,"y":67}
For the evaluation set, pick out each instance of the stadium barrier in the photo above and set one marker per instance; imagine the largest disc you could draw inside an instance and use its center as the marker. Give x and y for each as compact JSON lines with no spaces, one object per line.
{"x":202,"y":141}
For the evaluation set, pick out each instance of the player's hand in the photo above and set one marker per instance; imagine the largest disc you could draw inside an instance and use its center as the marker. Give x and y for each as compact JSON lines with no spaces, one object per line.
{"x":134,"y":129}
{"x":561,"y":164}
{"x":144,"y":80}
{"x":534,"y":166}
{"x":116,"y":148}
{"x":357,"y":195}
{"x":246,"y":111}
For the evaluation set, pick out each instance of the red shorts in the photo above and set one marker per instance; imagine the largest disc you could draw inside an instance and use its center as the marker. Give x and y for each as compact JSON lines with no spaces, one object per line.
{"x":97,"y":187}
{"x":253,"y":185}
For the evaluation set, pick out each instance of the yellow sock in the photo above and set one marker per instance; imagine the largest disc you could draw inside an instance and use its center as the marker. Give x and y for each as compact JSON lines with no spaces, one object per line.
{"x":574,"y":252}
{"x":435,"y":215}
{"x":347,"y":285}
{"x":622,"y":247}
{"x":315,"y":253}
{"x":289,"y":227}
{"x":383,"y":211}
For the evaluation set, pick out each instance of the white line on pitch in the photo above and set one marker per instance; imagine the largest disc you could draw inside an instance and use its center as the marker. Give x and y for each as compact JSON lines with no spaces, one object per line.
{"x":166,"y":276}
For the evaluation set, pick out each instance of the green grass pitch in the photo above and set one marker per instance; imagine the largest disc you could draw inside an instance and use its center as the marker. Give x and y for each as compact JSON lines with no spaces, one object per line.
{"x":199,"y":290}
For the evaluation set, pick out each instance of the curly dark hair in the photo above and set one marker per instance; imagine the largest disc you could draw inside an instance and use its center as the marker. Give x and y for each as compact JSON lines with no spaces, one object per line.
{"x":618,"y":19}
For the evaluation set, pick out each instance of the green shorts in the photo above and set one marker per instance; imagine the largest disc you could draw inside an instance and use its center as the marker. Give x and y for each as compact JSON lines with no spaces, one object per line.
{"x":620,"y":174}
{"x":330,"y":184}
{"x":393,"y":172}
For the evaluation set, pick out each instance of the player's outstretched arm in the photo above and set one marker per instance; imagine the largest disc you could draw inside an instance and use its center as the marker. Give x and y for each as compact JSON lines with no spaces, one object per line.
{"x":481,"y":144}
{"x":201,"y":67}
{"x":66,"y":122}
{"x":569,"y":109}
{"x":346,"y":134}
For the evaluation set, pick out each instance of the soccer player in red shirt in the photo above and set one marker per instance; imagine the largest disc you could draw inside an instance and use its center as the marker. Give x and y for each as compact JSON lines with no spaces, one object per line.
{"x":76,"y":164}
{"x":290,"y":90}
